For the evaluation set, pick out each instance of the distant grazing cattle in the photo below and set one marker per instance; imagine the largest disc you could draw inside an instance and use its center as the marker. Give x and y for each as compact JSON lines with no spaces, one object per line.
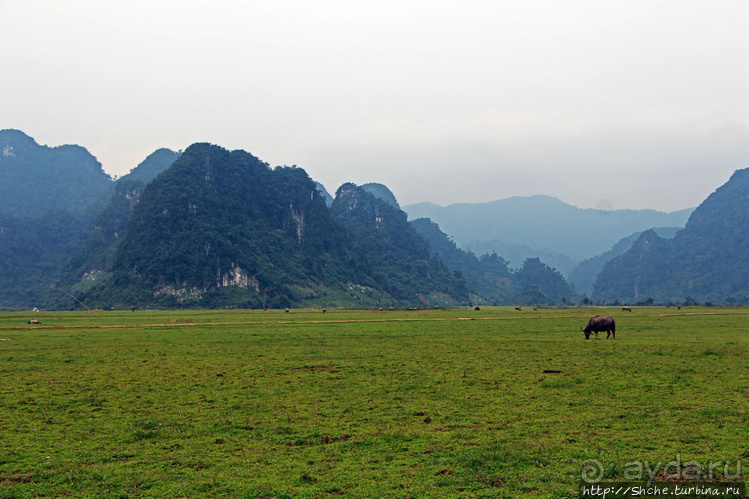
{"x":678,"y":307}
{"x":477,"y":308}
{"x":518,"y":309}
{"x":324,"y":310}
{"x":626,"y":309}
{"x":34,"y":321}
{"x":287,"y":310}
{"x":600,"y":323}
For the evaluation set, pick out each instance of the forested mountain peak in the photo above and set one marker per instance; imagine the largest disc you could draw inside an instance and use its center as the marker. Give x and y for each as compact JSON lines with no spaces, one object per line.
{"x":14,"y":142}
{"x":706,"y":261}
{"x":397,"y":255}
{"x":584,"y":275}
{"x":382,"y":192}
{"x":35,"y":179}
{"x":369,"y":209}
{"x":155,"y":163}
{"x":724,"y":210}
{"x":224,"y":227}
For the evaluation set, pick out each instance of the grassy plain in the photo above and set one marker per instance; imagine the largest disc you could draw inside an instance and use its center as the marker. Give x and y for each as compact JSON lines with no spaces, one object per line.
{"x":444,"y":403}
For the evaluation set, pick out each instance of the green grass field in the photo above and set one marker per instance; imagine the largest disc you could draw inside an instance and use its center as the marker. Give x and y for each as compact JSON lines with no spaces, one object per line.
{"x":445,"y":403}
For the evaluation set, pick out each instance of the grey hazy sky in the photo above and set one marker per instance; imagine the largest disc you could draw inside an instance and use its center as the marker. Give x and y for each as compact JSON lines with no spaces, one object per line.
{"x":602,"y":103}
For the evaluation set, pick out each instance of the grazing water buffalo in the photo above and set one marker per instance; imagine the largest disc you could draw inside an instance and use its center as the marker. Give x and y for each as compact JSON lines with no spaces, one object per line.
{"x":626,"y":308}
{"x":598,"y":324}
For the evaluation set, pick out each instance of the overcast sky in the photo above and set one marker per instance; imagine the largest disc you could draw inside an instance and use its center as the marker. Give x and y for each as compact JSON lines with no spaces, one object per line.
{"x":601,"y":103}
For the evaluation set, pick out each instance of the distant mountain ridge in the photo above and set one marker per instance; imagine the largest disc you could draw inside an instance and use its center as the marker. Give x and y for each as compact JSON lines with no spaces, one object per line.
{"x":543,"y":223}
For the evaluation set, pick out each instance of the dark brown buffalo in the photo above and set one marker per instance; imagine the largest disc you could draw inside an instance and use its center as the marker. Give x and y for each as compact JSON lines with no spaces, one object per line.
{"x":600,"y":323}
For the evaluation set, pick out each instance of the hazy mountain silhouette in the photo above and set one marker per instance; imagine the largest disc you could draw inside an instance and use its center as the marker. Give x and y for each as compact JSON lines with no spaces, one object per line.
{"x":35,"y":179}
{"x":324,"y":193}
{"x":542,"y":223}
{"x":381,"y":192}
{"x":516,"y":254}
{"x":155,"y":163}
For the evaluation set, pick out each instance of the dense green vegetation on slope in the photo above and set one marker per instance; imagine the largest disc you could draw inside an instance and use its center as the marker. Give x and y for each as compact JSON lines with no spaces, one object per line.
{"x":397,"y":256}
{"x":31,"y":253}
{"x":218,"y":218}
{"x":92,"y":262}
{"x":47,"y":200}
{"x":708,"y":261}
{"x":585,"y":273}
{"x":222,"y":228}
